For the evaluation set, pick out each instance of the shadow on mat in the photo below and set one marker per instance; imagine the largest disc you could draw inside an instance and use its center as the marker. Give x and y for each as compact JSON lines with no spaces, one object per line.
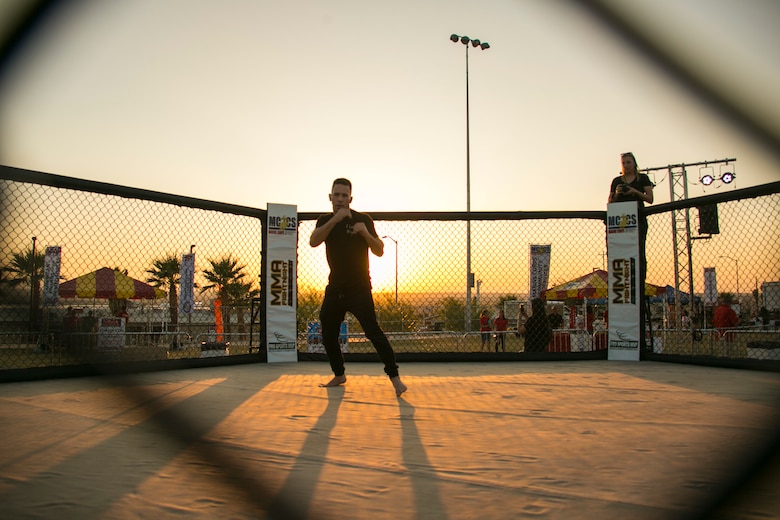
{"x":128,"y":459}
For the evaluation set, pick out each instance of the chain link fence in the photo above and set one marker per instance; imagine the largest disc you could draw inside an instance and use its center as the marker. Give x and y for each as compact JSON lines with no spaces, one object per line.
{"x":433,"y":310}
{"x":136,"y":233}
{"x":728,"y":258}
{"x":423,"y":300}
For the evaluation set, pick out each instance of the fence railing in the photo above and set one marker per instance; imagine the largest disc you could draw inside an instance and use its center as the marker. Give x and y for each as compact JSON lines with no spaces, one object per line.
{"x":419,"y":284}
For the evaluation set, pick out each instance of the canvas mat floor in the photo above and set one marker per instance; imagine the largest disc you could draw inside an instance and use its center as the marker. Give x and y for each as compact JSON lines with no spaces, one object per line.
{"x":543,"y":440}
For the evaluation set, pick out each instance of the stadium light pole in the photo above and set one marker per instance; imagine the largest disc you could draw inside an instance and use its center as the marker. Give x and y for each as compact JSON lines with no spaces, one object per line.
{"x":736,"y":264}
{"x":33,"y":276}
{"x":396,"y":266}
{"x":465,"y":40}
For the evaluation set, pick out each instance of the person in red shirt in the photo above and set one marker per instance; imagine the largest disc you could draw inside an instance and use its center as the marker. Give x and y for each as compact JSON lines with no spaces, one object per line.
{"x":501,"y":323}
{"x":724,"y":317}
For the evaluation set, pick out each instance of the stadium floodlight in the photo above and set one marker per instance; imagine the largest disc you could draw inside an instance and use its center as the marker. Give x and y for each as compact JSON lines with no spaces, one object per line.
{"x":469,"y":275}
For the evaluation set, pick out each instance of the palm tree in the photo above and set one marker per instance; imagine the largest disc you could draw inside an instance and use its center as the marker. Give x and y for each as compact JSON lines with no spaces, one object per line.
{"x":27,"y":268}
{"x":2,"y":279}
{"x":165,"y":274}
{"x":224,"y":272}
{"x":240,"y":295}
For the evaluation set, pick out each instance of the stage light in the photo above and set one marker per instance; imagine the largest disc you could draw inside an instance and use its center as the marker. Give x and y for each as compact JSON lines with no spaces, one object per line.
{"x":726,"y":178}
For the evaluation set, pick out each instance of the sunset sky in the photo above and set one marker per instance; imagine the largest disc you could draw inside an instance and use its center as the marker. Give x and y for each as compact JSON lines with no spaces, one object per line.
{"x":250,"y":101}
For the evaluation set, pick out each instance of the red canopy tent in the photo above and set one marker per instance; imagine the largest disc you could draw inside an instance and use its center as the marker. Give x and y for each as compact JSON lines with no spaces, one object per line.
{"x":591,"y":286}
{"x":108,"y":283}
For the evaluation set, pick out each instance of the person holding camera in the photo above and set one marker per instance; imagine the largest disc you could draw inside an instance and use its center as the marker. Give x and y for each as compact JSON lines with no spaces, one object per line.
{"x":630,"y":184}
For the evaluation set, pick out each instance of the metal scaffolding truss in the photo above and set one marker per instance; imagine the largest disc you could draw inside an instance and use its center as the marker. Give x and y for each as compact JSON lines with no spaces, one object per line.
{"x":681,"y":232}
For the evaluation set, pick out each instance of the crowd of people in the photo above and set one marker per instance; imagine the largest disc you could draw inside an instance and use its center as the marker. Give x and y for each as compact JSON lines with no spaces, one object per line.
{"x":535,"y":330}
{"x":78,"y":330}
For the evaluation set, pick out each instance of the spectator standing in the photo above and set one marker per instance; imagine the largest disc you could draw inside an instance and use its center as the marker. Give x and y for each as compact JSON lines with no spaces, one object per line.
{"x":88,"y":329}
{"x":631,"y":185}
{"x":522,"y":317}
{"x":537,"y":329}
{"x":764,"y":313}
{"x":484,"y":329}
{"x":501,"y":323}
{"x":724,"y":318}
{"x":70,"y":327}
{"x":555,"y":318}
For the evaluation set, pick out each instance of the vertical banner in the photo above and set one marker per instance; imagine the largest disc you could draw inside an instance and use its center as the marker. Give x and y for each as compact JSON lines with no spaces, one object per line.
{"x":281,"y":283}
{"x":624,"y":297}
{"x":540,"y":270}
{"x":51,"y":275}
{"x":710,"y":286}
{"x":187,"y":285}
{"x":219,"y":325}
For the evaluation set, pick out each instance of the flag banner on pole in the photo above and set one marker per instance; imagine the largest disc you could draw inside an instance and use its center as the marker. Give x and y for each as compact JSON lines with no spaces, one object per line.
{"x":187,"y":284}
{"x":51,"y":275}
{"x":219,"y":324}
{"x":624,"y":298}
{"x":710,"y":286}
{"x":540,"y":270}
{"x":281,"y":298}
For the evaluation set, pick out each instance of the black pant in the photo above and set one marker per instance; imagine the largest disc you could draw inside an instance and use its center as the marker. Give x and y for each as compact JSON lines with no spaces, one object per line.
{"x":501,"y":340}
{"x":360,"y":303}
{"x":641,"y":282}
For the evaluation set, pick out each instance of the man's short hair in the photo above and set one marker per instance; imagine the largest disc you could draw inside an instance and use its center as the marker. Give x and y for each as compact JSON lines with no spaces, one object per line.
{"x":345,"y":182}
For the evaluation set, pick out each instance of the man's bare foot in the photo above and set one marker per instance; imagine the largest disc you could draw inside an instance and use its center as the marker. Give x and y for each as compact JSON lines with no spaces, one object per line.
{"x":336,"y":381}
{"x":398,"y":385}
